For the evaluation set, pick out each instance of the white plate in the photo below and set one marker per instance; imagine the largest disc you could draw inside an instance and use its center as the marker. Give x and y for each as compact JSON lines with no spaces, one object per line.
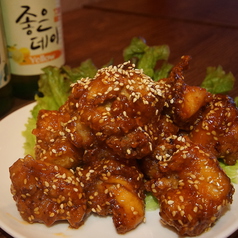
{"x":11,"y":142}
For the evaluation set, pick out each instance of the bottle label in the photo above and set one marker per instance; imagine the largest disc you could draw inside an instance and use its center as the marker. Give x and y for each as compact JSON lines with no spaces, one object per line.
{"x":34,"y":35}
{"x":4,"y":67}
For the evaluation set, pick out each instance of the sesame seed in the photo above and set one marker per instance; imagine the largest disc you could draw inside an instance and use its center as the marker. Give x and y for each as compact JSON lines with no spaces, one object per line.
{"x":170,"y":202}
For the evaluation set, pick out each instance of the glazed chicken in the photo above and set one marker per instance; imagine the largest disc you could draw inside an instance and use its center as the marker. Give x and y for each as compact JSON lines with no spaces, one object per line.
{"x":47,"y":193}
{"x":120,"y":135}
{"x":210,"y":120}
{"x":52,"y":145}
{"x":114,"y":187}
{"x":183,"y":103}
{"x":217,"y":128}
{"x":192,"y":190}
{"x":120,"y":108}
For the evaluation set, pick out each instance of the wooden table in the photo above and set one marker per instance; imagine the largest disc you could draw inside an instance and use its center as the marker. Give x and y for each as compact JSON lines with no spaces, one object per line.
{"x":206,"y":30}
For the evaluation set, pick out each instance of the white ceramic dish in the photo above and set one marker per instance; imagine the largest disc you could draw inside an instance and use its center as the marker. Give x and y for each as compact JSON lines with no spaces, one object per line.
{"x":11,"y":142}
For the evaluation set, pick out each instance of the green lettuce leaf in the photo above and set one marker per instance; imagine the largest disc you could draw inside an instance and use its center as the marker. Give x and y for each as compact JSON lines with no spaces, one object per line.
{"x":55,"y":88}
{"x":236,"y":101}
{"x":163,"y":72}
{"x":135,"y":50}
{"x":149,"y":60}
{"x":217,"y":81}
{"x":146,"y":57}
{"x":86,"y":69}
{"x":30,"y":139}
{"x":151,"y":203}
{"x":231,"y":171}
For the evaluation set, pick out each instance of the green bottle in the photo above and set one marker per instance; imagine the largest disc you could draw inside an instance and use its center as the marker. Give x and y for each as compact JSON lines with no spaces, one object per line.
{"x":6,"y":97}
{"x":34,"y":40}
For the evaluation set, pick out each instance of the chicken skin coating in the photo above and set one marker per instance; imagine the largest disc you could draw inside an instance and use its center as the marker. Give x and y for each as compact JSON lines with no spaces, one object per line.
{"x":120,"y":107}
{"x":217,"y":129}
{"x":47,"y":193}
{"x":115,"y":187}
{"x":192,"y":190}
{"x":52,"y":145}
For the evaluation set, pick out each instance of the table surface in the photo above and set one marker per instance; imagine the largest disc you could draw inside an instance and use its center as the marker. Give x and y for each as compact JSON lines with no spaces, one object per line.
{"x":206,"y":30}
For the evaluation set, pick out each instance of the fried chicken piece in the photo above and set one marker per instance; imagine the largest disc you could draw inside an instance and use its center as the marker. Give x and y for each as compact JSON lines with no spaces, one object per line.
{"x":119,"y":107}
{"x":52,"y":145}
{"x":183,"y":102}
{"x":217,"y":128}
{"x":192,"y":189}
{"x":211,"y":119}
{"x":115,"y":187}
{"x":47,"y":193}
